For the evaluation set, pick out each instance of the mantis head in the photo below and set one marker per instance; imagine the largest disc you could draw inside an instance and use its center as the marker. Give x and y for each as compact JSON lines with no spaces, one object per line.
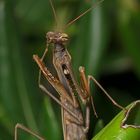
{"x":57,"y":38}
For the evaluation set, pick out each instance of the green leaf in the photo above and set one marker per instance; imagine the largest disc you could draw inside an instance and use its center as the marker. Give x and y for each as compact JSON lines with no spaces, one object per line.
{"x":125,"y":126}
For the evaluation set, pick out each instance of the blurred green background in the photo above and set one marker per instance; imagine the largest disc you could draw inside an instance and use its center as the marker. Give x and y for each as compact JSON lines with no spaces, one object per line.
{"x":105,"y":42}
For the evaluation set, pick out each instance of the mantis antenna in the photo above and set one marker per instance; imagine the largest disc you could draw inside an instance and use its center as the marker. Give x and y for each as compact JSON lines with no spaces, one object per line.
{"x":81,"y":15}
{"x":54,"y":12}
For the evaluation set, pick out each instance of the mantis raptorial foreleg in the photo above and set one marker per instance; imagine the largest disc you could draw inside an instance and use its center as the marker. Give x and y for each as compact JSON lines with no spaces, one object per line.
{"x":41,"y":86}
{"x":57,"y":85}
{"x":88,"y":98}
{"x":86,"y":87}
{"x":22,"y":127}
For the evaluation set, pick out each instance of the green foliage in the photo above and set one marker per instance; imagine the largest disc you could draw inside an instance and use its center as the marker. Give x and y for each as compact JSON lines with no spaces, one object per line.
{"x":105,"y":41}
{"x":114,"y":131}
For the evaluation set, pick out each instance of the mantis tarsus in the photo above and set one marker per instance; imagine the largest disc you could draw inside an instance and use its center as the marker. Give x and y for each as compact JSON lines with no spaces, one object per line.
{"x":75,"y":124}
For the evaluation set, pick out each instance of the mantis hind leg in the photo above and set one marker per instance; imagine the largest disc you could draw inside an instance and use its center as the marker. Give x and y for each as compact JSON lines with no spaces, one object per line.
{"x":22,"y":127}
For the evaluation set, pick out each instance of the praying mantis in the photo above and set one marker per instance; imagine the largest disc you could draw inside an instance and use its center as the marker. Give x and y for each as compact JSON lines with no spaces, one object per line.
{"x":75,"y":123}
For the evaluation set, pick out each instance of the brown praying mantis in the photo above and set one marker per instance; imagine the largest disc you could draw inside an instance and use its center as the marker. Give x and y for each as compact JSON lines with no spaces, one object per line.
{"x":75,"y":123}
